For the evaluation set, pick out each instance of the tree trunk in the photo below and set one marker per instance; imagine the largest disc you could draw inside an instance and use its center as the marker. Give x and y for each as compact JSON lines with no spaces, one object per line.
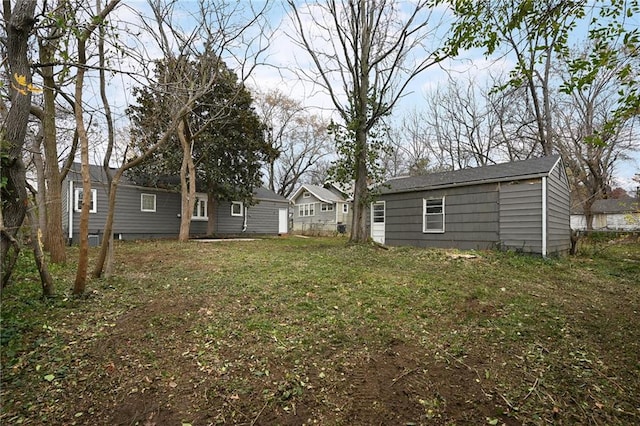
{"x":83,"y":255}
{"x":588,"y":215}
{"x":18,"y":24}
{"x":108,"y":224}
{"x":54,"y":237}
{"x":38,"y":254}
{"x":212,"y":213}
{"x":361,"y":192}
{"x":187,"y":181}
{"x":40,"y":195}
{"x":361,"y":109}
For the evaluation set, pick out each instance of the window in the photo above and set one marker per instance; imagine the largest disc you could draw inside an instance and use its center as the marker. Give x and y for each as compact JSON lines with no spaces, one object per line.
{"x":345,"y":208}
{"x":236,"y":208}
{"x":306,"y":209}
{"x":378,"y":212}
{"x":93,"y":206}
{"x":200,"y":208}
{"x":306,"y":194}
{"x":326,"y":207}
{"x":148,"y":202}
{"x":433,"y":219}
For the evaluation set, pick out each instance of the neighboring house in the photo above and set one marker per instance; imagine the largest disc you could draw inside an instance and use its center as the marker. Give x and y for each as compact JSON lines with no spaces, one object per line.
{"x":522,"y":206}
{"x":149,"y":213}
{"x":318,"y":209}
{"x":609,"y":215}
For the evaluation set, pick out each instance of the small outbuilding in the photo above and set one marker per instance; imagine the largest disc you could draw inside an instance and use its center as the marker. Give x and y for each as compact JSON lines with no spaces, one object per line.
{"x":521,"y":206}
{"x":611,"y":214}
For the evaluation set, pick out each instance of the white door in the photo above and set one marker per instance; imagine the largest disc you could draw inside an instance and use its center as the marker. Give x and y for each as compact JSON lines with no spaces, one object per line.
{"x":377,"y":221}
{"x":283,"y":217}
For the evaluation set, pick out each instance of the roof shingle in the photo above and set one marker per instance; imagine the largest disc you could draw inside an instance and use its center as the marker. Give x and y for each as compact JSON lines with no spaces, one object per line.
{"x":524,"y":169}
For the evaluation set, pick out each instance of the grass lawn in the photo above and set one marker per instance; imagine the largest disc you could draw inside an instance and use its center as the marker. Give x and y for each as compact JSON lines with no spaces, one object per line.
{"x":298,"y":331}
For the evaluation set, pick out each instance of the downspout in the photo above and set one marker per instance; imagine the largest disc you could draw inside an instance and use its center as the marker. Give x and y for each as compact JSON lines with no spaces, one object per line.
{"x":544,"y":216}
{"x":70,"y":199}
{"x":244,"y":222}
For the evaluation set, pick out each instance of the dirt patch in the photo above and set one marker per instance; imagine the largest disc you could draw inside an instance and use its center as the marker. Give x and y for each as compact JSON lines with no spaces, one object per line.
{"x":157,"y":384}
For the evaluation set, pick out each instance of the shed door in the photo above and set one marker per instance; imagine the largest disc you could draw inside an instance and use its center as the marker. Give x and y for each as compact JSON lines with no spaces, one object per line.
{"x":377,"y":221}
{"x":283,"y":216}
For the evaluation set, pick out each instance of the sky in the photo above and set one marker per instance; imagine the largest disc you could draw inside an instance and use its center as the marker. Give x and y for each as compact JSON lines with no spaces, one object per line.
{"x":276,"y":65}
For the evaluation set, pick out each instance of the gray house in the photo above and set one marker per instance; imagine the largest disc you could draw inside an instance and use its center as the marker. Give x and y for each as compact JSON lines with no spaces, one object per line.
{"x":521,"y":206}
{"x":149,"y":213}
{"x":318,"y":209}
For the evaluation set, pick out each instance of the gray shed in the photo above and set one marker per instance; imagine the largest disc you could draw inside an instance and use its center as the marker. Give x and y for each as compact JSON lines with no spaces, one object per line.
{"x":150,"y":213}
{"x":522,"y":206}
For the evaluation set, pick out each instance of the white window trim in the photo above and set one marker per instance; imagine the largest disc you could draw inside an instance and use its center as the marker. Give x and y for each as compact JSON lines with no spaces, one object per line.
{"x":326,"y":207}
{"x":306,"y":194}
{"x":424,"y":215}
{"x":77,"y":206}
{"x":373,"y":211}
{"x":237,"y":203}
{"x":200,"y":198}
{"x":309,"y":208}
{"x":345,"y":208}
{"x":142,"y":196}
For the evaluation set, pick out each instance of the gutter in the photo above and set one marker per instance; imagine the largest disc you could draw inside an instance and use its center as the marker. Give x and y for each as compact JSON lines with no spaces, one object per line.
{"x":70,"y":200}
{"x":244,"y":222}
{"x":544,"y":216}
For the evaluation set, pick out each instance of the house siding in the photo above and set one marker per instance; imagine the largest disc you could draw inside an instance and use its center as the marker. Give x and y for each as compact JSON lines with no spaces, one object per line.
{"x":262,"y":218}
{"x":320,"y":221}
{"x":131,"y":223}
{"x":521,"y":215}
{"x":471,"y":215}
{"x":558,"y":219}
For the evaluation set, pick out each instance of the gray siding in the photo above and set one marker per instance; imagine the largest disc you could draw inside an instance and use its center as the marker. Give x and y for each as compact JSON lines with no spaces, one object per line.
{"x":130,"y":222}
{"x":320,"y":221}
{"x":558,"y":219}
{"x":521,"y":215}
{"x":471,"y":218}
{"x":262,"y":218}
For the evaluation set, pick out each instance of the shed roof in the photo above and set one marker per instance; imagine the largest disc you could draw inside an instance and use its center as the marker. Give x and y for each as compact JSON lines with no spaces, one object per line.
{"x":263,"y":193}
{"x":516,"y":170}
{"x":612,"y":205}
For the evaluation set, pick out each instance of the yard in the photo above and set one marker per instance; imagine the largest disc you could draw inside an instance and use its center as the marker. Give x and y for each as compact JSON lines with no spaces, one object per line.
{"x":313,"y":331}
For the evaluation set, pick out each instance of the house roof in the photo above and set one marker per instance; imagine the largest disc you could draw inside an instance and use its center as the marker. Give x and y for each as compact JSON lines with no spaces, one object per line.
{"x":345,"y":188}
{"x":319,"y":192}
{"x":516,"y":170}
{"x":612,"y":205}
{"x":98,"y":175}
{"x":263,"y":193}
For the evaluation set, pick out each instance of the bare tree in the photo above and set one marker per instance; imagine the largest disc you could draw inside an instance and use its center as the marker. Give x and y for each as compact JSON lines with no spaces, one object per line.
{"x":220,"y":29}
{"x":590,"y":146}
{"x":81,"y":39}
{"x":365,"y":53}
{"x":48,"y":44}
{"x":464,"y":124}
{"x":299,"y":137}
{"x":278,"y":112}
{"x":18,"y":22}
